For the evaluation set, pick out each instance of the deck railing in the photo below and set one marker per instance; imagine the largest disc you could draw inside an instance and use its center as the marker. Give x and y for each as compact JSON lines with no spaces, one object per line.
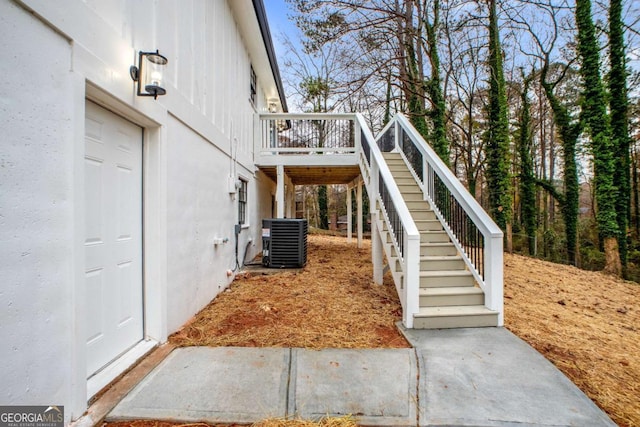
{"x":395,"y":216}
{"x":475,"y":234}
{"x":286,"y":133}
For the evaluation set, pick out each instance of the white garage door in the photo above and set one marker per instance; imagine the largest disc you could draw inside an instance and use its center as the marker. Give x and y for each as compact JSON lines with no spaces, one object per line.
{"x":113,"y":236}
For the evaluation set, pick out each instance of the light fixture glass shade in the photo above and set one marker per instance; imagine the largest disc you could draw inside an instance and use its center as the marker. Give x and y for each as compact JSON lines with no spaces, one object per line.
{"x":149,"y":74}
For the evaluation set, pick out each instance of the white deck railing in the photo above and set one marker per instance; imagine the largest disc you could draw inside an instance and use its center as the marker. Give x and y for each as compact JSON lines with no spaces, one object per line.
{"x":395,"y":214}
{"x":475,"y":234}
{"x":284,"y":133}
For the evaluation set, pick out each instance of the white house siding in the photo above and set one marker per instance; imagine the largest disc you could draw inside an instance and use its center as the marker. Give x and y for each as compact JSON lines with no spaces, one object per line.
{"x":53,"y":56}
{"x":36,"y":210}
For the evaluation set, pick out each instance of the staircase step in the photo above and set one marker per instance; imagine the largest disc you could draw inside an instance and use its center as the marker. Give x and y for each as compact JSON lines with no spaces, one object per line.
{"x":397,"y":164}
{"x":428,"y":224}
{"x":451,"y":296}
{"x":420,"y":205}
{"x":405,"y":181}
{"x":411,"y":196}
{"x":408,"y":187}
{"x":424,"y":212}
{"x":468,"y":316}
{"x":434,"y":236}
{"x":441,"y":263}
{"x":401,"y":172}
{"x":393,"y":157}
{"x":438,"y":248}
{"x":446,"y":278}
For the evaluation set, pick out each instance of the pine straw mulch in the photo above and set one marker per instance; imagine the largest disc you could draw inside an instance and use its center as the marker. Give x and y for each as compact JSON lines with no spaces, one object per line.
{"x":586,"y":323}
{"x":275,"y":422}
{"x":330,"y":303}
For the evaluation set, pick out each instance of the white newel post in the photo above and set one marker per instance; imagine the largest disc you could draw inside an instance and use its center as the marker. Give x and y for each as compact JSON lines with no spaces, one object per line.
{"x":411,"y":279}
{"x":494,"y":276}
{"x":376,"y":237}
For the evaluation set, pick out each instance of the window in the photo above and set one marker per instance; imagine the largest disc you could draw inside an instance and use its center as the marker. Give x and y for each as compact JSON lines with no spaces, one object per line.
{"x":253,"y":86}
{"x":242,"y":202}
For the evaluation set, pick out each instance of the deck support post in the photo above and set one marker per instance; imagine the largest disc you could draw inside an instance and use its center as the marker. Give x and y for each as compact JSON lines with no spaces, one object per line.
{"x":290,"y":199}
{"x":349,"y":215}
{"x":359,"y":212}
{"x":376,"y":250}
{"x":280,"y":191}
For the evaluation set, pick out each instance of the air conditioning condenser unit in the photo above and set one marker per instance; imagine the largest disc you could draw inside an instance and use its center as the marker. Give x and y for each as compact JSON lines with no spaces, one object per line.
{"x":284,"y":243}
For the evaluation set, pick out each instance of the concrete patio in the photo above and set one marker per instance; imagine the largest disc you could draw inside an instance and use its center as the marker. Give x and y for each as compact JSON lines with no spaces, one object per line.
{"x":463,"y":377}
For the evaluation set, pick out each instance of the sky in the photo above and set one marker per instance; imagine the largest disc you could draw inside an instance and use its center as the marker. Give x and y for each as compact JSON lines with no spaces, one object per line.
{"x":279,"y":23}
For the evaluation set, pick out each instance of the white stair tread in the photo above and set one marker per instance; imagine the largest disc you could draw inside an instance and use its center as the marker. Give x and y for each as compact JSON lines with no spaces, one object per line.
{"x":456,"y":310}
{"x":444,"y":273}
{"x":440,"y":258}
{"x":453,"y":290}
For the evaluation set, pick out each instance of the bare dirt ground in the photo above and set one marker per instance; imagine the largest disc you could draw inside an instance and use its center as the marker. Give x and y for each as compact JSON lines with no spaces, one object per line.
{"x":586,"y":323}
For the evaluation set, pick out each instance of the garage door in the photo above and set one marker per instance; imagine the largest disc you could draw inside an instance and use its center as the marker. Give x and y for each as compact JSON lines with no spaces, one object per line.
{"x":113,"y":236}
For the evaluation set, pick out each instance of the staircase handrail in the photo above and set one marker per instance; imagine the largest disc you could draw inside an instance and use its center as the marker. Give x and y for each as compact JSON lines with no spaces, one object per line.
{"x":405,"y":234}
{"x":491,"y":278}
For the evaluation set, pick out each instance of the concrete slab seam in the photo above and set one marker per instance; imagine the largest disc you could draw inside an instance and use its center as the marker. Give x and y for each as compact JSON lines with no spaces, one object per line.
{"x":418,"y":376}
{"x":291,"y":384}
{"x":288,"y":385}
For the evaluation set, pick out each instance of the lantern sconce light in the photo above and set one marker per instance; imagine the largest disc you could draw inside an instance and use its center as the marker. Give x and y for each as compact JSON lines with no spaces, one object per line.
{"x":148,"y":74}
{"x":273,"y":107}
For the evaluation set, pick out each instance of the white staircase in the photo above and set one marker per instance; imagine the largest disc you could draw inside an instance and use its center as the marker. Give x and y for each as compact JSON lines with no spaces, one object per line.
{"x":446,"y":276}
{"x":448,"y":294}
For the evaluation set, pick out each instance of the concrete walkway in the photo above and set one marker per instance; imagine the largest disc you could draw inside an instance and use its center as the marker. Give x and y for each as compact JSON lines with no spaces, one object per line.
{"x":462,"y":377}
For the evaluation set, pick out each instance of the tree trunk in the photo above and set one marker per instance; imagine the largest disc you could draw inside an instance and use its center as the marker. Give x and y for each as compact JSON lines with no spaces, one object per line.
{"x":612,"y":257}
{"x":323,"y":208}
{"x":509,"y":238}
{"x":618,"y":105}
{"x":528,"y":208}
{"x":594,"y":111}
{"x":497,"y":134}
{"x":636,"y":201}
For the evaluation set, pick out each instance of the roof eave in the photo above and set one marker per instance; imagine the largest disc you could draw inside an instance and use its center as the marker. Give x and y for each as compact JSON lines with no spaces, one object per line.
{"x":261,"y":14}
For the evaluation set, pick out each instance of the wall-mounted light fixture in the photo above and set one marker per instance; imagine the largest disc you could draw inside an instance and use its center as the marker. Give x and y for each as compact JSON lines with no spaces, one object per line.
{"x":148,"y":74}
{"x":273,"y":107}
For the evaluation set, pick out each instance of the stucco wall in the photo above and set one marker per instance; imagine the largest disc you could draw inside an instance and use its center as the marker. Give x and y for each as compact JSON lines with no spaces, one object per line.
{"x":195,"y":137}
{"x":200,"y":210}
{"x":36,"y":211}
